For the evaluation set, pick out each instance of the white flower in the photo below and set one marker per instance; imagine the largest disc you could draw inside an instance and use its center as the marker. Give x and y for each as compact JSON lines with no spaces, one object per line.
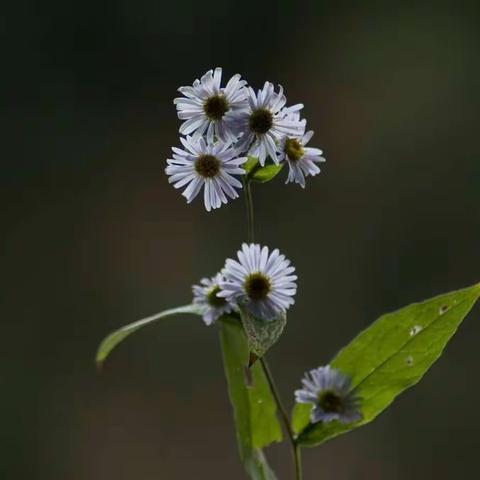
{"x":330,"y":393}
{"x":266,"y":122}
{"x":263,"y":283}
{"x":205,"y":295}
{"x":301,"y":160}
{"x":209,"y":165}
{"x":206,"y":107}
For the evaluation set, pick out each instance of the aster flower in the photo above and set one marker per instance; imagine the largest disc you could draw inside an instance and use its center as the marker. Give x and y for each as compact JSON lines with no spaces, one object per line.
{"x":302,"y":161}
{"x":267,"y":121}
{"x":262,"y":282}
{"x":329,"y":392}
{"x":206,"y":296}
{"x":207,"y":165}
{"x":207,"y":107}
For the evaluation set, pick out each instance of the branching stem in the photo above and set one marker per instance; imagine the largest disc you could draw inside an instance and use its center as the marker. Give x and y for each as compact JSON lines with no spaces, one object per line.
{"x":276,"y":395}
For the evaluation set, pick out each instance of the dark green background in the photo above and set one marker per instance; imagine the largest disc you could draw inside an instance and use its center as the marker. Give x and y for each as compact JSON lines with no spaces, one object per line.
{"x":94,"y":237}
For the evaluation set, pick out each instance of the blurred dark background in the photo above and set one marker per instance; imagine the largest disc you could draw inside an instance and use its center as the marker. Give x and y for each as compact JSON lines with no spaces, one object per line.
{"x":93,"y":236}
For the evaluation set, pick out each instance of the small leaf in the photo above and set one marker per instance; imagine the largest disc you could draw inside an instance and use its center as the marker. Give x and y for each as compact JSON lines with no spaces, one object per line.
{"x":254,"y":408}
{"x":266,"y":173}
{"x":112,"y":340}
{"x":390,"y":356}
{"x":250,"y":164}
{"x":261,"y":334}
{"x":260,"y":174}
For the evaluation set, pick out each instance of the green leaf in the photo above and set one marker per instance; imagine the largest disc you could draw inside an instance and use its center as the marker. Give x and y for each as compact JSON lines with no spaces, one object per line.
{"x":261,"y":334}
{"x":250,"y":164}
{"x":258,"y":468}
{"x":254,"y":408}
{"x":260,"y":174}
{"x":266,"y":173}
{"x":112,"y":340}
{"x":390,"y":356}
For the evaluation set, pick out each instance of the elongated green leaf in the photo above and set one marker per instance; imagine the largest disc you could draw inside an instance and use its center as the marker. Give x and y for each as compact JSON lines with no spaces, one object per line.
{"x":112,"y":340}
{"x":390,"y":356}
{"x":261,"y":335}
{"x":260,"y":174}
{"x":254,"y":408}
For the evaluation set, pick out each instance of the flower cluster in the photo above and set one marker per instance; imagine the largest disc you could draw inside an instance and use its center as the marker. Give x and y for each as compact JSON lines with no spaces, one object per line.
{"x":260,"y":281}
{"x":224,"y":125}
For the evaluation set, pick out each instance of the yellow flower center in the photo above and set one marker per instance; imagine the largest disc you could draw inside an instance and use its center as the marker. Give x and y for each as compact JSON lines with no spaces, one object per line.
{"x":294,"y":149}
{"x":212,"y":298}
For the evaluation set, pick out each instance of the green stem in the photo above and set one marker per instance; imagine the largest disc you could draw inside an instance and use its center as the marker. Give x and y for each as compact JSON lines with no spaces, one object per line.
{"x":283,"y":413}
{"x":263,"y":360}
{"x":298,"y":462}
{"x":278,"y":400}
{"x":249,"y":205}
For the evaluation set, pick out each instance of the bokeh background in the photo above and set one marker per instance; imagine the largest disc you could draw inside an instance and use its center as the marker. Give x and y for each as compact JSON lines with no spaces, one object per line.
{"x":93,"y":236}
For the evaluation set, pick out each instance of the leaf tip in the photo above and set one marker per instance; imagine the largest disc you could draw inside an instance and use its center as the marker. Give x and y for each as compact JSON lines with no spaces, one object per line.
{"x":99,"y":361}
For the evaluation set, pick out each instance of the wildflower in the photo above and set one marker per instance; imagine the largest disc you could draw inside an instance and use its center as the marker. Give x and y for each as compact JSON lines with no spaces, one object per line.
{"x":329,"y":392}
{"x":206,"y":295}
{"x":266,"y":122}
{"x":208,"y":165}
{"x":207,"y":107}
{"x":302,"y":161}
{"x":260,"y":281}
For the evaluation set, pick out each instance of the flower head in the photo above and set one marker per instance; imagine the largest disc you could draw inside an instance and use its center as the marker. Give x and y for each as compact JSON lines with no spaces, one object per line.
{"x":210,"y":165}
{"x":302,"y":160}
{"x":206,"y":295}
{"x":266,"y":122}
{"x":207,"y":107}
{"x":261,"y":281}
{"x":329,"y":392}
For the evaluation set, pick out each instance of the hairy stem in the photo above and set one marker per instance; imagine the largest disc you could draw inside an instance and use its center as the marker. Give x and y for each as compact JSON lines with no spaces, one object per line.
{"x":273,"y":388}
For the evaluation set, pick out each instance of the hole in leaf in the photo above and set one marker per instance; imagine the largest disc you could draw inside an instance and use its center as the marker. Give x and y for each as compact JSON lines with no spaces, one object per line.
{"x":414,"y":330}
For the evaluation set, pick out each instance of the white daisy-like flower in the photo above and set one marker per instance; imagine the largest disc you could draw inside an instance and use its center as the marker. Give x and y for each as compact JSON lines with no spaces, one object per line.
{"x":266,"y":122}
{"x":208,"y":165}
{"x":302,"y":160}
{"x":206,"y":296}
{"x":260,"y":281}
{"x":330,"y":393}
{"x":207,"y":107}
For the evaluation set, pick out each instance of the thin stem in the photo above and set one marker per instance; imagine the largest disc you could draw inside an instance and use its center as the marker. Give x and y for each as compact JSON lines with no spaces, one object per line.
{"x":298,"y":462}
{"x":249,"y":205}
{"x":263,"y":360}
{"x":278,"y":401}
{"x":283,"y":413}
